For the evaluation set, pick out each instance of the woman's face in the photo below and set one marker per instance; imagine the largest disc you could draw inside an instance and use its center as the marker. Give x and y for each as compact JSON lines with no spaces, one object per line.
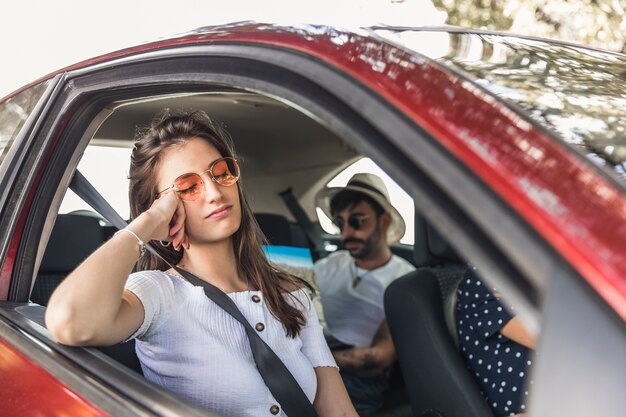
{"x":216,"y":214}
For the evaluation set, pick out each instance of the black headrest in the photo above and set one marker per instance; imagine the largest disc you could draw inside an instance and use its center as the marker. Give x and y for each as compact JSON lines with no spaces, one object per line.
{"x":430,"y":247}
{"x":276,"y":228}
{"x":73,"y":238}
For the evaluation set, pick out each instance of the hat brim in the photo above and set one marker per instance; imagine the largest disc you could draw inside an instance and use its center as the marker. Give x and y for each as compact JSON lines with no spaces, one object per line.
{"x":397,"y":227}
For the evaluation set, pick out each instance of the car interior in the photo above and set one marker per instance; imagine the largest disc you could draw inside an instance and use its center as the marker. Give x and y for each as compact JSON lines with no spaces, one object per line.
{"x":285,"y":152}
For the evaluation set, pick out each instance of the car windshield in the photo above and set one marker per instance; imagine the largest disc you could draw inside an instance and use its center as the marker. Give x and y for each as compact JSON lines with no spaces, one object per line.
{"x":14,"y":112}
{"x":577,"y":93}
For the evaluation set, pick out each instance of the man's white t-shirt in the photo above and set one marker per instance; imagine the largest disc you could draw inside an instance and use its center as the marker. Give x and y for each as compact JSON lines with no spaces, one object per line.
{"x":353,"y":314}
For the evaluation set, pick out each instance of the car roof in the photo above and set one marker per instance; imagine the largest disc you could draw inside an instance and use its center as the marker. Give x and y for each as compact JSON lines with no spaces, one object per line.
{"x":249,"y":30}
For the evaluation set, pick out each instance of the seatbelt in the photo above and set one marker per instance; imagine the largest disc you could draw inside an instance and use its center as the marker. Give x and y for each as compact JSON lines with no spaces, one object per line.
{"x":303,"y":220}
{"x":275,"y":374}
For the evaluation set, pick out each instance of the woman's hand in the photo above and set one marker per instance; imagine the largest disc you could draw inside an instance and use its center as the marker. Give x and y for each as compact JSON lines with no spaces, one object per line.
{"x":177,"y":227}
{"x":168,"y":213}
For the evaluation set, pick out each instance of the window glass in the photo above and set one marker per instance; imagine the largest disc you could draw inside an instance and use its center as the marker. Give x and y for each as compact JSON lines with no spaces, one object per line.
{"x":577,"y":93}
{"x":399,"y":198}
{"x":106,"y":168}
{"x":13,"y":115}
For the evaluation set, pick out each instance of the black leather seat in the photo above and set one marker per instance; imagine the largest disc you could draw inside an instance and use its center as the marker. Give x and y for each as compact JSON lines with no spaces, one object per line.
{"x":276,"y":228}
{"x":74,"y":237}
{"x":436,"y":377}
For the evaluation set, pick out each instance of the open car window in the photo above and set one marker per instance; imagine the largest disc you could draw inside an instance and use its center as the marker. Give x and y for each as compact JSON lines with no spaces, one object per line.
{"x":106,"y":168}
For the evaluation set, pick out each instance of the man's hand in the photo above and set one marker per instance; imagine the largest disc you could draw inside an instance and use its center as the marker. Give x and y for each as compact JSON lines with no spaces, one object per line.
{"x":371,"y":362}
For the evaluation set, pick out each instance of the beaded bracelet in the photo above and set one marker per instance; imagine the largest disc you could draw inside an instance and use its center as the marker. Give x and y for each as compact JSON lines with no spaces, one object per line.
{"x":142,"y":245}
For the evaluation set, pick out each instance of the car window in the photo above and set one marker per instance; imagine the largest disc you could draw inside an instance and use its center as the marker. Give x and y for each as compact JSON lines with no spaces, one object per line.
{"x":13,"y":115}
{"x":106,"y":168}
{"x":399,"y":198}
{"x":577,"y":94}
{"x":113,"y":162}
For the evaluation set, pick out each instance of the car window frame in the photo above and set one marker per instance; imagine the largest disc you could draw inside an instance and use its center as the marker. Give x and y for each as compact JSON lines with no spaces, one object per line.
{"x":11,"y":184}
{"x":302,"y":65}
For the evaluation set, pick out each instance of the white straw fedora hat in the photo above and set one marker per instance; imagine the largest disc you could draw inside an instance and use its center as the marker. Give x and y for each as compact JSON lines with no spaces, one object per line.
{"x":372,"y":186}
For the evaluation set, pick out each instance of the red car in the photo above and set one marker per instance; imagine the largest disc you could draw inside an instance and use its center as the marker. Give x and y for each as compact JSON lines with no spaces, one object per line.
{"x":512,"y":149}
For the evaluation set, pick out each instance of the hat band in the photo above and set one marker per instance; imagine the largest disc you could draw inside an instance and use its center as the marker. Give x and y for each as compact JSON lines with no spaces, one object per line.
{"x":367,"y":187}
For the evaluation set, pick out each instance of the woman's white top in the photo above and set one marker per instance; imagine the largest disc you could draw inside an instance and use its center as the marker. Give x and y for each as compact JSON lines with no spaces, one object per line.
{"x":192,"y":347}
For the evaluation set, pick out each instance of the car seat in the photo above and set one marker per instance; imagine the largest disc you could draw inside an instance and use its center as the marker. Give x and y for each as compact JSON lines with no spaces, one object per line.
{"x":436,"y":376}
{"x":74,"y":237}
{"x":276,"y":228}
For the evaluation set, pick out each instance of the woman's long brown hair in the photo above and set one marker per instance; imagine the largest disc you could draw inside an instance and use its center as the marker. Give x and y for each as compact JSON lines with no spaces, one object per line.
{"x":171,"y":130}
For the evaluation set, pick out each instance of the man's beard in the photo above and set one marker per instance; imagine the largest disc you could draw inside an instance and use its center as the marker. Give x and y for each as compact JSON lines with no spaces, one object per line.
{"x":368,"y":246}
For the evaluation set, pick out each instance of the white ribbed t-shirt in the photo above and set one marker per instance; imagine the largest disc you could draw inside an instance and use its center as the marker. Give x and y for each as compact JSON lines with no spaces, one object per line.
{"x":192,"y":347}
{"x":353,"y":314}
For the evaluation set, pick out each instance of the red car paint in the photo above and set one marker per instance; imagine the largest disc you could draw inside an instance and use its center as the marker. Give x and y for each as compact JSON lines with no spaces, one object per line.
{"x":29,"y":390}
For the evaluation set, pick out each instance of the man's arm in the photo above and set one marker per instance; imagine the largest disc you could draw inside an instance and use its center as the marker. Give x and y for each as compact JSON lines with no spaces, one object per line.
{"x":369,"y":362}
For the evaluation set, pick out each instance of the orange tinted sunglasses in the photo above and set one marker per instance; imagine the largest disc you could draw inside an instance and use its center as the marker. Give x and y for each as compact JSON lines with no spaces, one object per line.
{"x":190,"y":186}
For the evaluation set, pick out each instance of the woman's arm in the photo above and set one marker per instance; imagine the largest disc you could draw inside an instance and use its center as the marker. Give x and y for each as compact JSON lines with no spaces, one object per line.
{"x":331,"y":399}
{"x":515,"y":330}
{"x":90,"y":306}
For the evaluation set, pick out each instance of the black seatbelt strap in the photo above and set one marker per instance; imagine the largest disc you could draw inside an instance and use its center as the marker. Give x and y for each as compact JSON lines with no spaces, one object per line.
{"x":277,"y":377}
{"x":83,"y":188}
{"x":275,"y":374}
{"x":311,"y":232}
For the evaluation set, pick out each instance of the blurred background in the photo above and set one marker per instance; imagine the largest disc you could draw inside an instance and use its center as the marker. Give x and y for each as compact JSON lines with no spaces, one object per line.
{"x":41,"y":36}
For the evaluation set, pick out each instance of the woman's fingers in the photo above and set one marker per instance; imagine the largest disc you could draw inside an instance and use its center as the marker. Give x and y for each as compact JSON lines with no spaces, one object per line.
{"x":185,"y":240}
{"x":171,"y":211}
{"x":178,"y":239}
{"x":178,"y":220}
{"x":177,"y":229}
{"x":164,"y":210}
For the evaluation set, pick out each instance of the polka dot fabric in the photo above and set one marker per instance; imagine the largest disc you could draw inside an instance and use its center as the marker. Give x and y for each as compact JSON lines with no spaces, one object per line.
{"x":499,"y":364}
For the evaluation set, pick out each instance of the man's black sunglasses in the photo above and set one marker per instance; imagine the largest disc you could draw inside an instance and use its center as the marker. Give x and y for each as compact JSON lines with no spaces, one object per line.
{"x":355,"y":221}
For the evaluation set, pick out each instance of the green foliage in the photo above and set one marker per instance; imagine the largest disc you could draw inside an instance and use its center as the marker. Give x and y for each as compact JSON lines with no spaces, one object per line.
{"x":598,"y":23}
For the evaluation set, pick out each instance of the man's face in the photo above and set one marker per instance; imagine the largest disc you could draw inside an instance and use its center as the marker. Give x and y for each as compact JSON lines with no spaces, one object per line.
{"x":363,"y":240}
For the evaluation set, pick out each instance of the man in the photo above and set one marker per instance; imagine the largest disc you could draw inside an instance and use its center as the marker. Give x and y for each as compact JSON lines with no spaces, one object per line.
{"x":352,"y":284}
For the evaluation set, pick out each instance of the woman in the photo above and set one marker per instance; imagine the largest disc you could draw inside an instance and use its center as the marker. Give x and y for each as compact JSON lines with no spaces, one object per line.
{"x":495,"y":344}
{"x":184,"y":192}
